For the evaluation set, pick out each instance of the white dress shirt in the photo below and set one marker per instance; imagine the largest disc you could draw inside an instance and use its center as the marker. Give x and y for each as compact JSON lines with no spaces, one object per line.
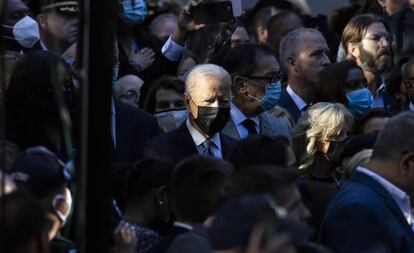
{"x":183,"y":225}
{"x":238,"y":117}
{"x":199,"y":139}
{"x":400,"y":197}
{"x":171,"y":50}
{"x":299,"y":102}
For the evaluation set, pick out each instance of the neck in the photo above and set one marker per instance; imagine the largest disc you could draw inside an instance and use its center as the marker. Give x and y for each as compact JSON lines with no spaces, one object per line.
{"x":57,"y":47}
{"x":55,"y":227}
{"x":244,"y":106}
{"x":322,"y":168}
{"x":139,"y":215}
{"x":304,"y":90}
{"x":372,"y":80}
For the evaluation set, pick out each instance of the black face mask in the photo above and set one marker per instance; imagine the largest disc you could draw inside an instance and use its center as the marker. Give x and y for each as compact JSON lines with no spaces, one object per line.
{"x":212,"y":120}
{"x":335,"y":150}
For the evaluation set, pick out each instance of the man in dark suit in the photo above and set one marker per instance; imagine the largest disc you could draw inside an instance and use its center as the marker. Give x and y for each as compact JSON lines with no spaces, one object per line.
{"x":206,"y":177}
{"x":256,"y":89}
{"x":207,"y":98}
{"x":303,"y":54}
{"x":131,"y":128}
{"x":372,"y":211}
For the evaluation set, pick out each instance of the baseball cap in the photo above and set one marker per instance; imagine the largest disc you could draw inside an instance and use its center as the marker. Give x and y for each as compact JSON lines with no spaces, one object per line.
{"x":40,"y":171}
{"x":62,"y":7}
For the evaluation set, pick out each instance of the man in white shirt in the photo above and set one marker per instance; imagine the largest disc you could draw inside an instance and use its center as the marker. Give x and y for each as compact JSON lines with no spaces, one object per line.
{"x":372,"y":211}
{"x":303,"y":54}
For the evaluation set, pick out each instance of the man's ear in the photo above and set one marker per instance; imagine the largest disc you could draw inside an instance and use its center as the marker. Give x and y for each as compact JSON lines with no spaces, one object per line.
{"x":42,"y":20}
{"x":407,"y":164}
{"x":382,"y":3}
{"x":239,"y":83}
{"x":291,"y":63}
{"x":353,"y":50}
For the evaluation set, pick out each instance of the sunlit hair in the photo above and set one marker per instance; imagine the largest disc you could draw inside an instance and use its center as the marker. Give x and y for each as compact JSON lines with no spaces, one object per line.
{"x":359,"y":159}
{"x":321,"y":122}
{"x":204,"y":71}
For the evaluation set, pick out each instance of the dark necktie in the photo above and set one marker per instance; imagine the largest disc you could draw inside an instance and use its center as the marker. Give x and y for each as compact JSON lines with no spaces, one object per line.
{"x":250,"y":126}
{"x":207,"y":148}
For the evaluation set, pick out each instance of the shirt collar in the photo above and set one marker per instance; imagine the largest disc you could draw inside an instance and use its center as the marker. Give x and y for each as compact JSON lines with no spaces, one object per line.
{"x":198,"y":138}
{"x":183,"y":225}
{"x":238,"y":117}
{"x":401,"y":198}
{"x":300,"y":103}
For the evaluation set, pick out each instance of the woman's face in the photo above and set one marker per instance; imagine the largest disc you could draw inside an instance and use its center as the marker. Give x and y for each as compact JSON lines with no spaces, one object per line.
{"x":355,"y":80}
{"x":168,"y":99}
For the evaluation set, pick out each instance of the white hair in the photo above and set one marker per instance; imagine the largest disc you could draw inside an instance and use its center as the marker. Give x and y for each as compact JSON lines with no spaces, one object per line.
{"x":202,"y":71}
{"x":290,"y":44}
{"x":359,"y":159}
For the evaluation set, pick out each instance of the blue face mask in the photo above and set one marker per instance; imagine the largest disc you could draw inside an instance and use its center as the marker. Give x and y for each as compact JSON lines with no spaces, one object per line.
{"x":134,"y":12}
{"x":271,"y":97}
{"x":359,"y":101}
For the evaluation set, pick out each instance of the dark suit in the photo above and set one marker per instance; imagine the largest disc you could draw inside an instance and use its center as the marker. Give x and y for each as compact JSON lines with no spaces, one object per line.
{"x":193,"y":241}
{"x":178,"y":144}
{"x":363,"y":217}
{"x":168,"y":239}
{"x":287,"y":102}
{"x":402,"y":26}
{"x":133,"y":128}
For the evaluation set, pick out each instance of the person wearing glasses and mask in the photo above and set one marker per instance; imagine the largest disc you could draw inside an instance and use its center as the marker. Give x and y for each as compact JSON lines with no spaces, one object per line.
{"x":367,"y":39}
{"x":256,"y":89}
{"x":207,"y":99}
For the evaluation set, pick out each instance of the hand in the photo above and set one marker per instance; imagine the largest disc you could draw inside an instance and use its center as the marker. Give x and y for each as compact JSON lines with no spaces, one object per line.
{"x":279,"y":243}
{"x":143,"y":59}
{"x":125,"y":238}
{"x":186,"y":23}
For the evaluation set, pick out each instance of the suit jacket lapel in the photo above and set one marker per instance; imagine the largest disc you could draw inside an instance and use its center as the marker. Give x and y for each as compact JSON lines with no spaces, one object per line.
{"x":378,"y":188}
{"x":184,"y":139}
{"x":287,"y":103}
{"x":230,"y":129}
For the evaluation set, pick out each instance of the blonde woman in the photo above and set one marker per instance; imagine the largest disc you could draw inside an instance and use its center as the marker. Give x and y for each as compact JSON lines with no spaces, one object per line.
{"x":318,"y":141}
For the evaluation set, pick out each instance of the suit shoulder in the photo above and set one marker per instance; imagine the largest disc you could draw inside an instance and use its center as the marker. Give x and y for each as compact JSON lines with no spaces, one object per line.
{"x":190,"y":242}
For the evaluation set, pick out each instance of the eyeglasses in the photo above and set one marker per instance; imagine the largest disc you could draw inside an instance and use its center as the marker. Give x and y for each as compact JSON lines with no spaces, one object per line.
{"x":380,"y":38}
{"x":130,"y":95}
{"x":268,"y":79}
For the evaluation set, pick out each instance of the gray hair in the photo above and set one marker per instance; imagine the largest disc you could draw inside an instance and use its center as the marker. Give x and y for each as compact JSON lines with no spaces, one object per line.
{"x":291,"y":43}
{"x":203,"y":71}
{"x":396,"y":138}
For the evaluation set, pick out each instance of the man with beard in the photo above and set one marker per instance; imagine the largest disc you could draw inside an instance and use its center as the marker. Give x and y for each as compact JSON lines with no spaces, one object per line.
{"x":367,"y":39}
{"x":207,"y":98}
{"x":303,"y":54}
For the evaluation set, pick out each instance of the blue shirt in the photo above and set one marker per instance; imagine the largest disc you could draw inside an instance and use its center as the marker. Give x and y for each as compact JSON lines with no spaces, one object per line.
{"x":199,"y":139}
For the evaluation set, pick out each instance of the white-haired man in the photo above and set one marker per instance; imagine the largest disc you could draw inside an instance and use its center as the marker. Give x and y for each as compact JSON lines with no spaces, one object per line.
{"x":207,"y":98}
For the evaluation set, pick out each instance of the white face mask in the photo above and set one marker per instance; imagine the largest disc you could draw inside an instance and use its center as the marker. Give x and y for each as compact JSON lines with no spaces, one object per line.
{"x":171,"y":120}
{"x":63,"y":217}
{"x":25,"y":31}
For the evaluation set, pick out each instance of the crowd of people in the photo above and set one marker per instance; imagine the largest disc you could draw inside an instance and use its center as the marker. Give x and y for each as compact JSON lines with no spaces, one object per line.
{"x":275,"y":132}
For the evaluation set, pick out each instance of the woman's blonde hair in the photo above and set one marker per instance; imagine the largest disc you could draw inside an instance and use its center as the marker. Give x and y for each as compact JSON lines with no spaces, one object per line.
{"x":320,"y":122}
